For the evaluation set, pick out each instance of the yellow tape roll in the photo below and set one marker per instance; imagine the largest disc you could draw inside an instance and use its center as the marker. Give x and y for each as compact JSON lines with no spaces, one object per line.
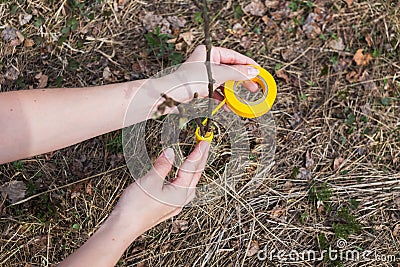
{"x":268,"y":85}
{"x":259,"y":108}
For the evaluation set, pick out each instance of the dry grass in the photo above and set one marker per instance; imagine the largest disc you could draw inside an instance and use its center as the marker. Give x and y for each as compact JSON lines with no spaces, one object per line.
{"x":322,"y":113}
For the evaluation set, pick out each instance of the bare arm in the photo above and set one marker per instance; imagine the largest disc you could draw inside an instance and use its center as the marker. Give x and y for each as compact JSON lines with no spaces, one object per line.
{"x":37,"y":121}
{"x":143,"y":205}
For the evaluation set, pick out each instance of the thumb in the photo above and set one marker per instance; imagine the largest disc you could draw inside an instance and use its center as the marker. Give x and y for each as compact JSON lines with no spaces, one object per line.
{"x":223,"y":73}
{"x":162,"y":166}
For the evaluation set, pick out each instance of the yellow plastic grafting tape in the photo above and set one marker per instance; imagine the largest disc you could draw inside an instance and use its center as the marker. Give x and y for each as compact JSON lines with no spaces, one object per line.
{"x":259,"y":108}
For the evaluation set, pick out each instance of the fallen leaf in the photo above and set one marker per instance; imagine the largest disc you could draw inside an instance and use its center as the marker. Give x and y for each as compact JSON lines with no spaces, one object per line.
{"x":278,"y":15}
{"x":337,"y":44}
{"x":369,"y":40}
{"x":304,"y":174}
{"x":142,"y":264}
{"x":397,"y":201}
{"x":255,"y":8}
{"x":12,"y":36}
{"x":266,"y":20}
{"x":245,"y":42}
{"x":367,"y":81}
{"x":281,"y":74}
{"x":396,"y":230}
{"x":352,"y":76}
{"x":366,"y":110}
{"x":176,"y":22}
{"x":338,"y":163}
{"x":349,"y":2}
{"x":12,"y":74}
{"x":121,"y":3}
{"x":253,"y":249}
{"x":287,"y":186}
{"x":277,"y":212}
{"x":88,"y":189}
{"x":9,"y":34}
{"x":14,"y":190}
{"x":151,"y":21}
{"x":272,"y":4}
{"x":362,"y":59}
{"x":179,"y":226}
{"x":309,"y":160}
{"x":29,"y":43}
{"x":107,"y":75}
{"x":320,"y":206}
{"x":238,"y":30}
{"x":24,"y":19}
{"x":42,"y":79}
{"x":178,"y":46}
{"x":187,"y":37}
{"x":310,"y":27}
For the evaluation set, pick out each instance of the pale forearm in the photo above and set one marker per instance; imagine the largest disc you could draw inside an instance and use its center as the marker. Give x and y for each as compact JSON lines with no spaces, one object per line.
{"x":38,"y":121}
{"x":106,"y":246}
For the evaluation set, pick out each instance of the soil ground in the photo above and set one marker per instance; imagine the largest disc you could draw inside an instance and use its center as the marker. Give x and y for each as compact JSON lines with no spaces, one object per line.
{"x":336,"y":173}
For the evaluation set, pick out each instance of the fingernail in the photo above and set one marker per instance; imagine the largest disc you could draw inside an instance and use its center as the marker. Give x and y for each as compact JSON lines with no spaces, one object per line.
{"x":169,"y":154}
{"x":204,"y":145}
{"x":252,"y":71}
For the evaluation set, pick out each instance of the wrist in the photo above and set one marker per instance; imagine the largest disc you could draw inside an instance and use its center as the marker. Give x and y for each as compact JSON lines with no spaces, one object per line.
{"x":122,"y":228}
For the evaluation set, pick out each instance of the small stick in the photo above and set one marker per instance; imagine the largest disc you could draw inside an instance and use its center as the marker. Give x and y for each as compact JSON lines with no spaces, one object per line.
{"x":207,"y":41}
{"x":197,"y":120}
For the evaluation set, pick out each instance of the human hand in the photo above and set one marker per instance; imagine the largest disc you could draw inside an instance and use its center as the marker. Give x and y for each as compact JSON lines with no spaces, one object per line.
{"x":191,"y":77}
{"x":151,"y":200}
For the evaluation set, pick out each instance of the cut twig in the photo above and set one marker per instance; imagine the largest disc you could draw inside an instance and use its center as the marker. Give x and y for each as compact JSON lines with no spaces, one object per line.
{"x":207,"y":42}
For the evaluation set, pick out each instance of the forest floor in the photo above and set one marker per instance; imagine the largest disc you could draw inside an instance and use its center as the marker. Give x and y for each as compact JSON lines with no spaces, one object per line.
{"x":335,"y":182}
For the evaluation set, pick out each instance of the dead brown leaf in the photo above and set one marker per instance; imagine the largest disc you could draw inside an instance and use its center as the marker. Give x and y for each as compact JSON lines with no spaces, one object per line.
{"x":281,"y":74}
{"x":238,"y":30}
{"x":12,"y":36}
{"x":179,"y":46}
{"x":107,"y":74}
{"x":309,"y":160}
{"x":287,"y":186}
{"x":245,"y":42}
{"x":24,"y":19}
{"x":272,"y":4}
{"x":311,"y":27}
{"x":179,"y":226}
{"x":253,"y":249}
{"x":349,"y":2}
{"x":29,"y":43}
{"x":362,"y":59}
{"x":369,"y":40}
{"x":304,"y":174}
{"x":176,"y":22}
{"x":88,"y":189}
{"x":12,"y":74}
{"x":151,"y":21}
{"x":42,"y":79}
{"x":396,"y":230}
{"x":352,"y":76}
{"x":367,"y":81}
{"x":320,"y":207}
{"x":255,"y":8}
{"x":187,"y":37}
{"x":337,"y":44}
{"x":277,"y":212}
{"x":14,"y":190}
{"x":397,"y":201}
{"x":338,"y":163}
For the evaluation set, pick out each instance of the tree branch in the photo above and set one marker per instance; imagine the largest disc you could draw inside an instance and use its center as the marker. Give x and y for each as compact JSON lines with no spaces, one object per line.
{"x":207,"y":42}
